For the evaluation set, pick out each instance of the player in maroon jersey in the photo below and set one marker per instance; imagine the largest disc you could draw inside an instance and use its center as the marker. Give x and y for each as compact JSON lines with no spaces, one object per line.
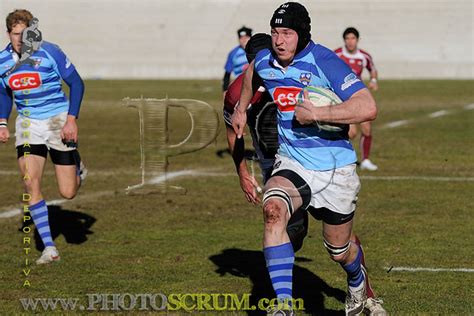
{"x":359,"y":59}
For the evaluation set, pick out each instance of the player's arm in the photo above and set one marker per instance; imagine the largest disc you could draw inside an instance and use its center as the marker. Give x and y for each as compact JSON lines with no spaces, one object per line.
{"x":6,"y":102}
{"x":69,"y":74}
{"x":247,"y":181}
{"x":239,"y":118}
{"x":237,"y":145}
{"x":76,"y":93}
{"x":226,"y":81}
{"x":358,"y":106}
{"x":373,"y":83}
{"x":228,"y":71}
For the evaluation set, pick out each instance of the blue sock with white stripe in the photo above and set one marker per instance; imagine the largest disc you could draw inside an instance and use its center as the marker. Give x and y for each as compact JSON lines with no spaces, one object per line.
{"x":355,"y":277}
{"x":280,"y":261}
{"x":39,"y":213}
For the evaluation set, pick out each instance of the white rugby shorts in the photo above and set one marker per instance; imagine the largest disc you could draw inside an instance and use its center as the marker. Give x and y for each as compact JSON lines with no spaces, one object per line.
{"x":41,"y":132}
{"x":336,"y":190}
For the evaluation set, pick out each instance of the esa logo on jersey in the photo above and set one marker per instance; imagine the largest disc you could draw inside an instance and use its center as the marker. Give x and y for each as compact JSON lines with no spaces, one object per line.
{"x":23,"y":81}
{"x":349,"y":80}
{"x":305,"y":78}
{"x":286,"y":98}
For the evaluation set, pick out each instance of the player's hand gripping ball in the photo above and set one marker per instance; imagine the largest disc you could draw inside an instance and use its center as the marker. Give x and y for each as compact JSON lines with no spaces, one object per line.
{"x":321,"y":97}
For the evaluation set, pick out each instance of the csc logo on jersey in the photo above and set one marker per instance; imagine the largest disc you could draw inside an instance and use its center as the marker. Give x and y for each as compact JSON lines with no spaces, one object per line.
{"x":286,"y":98}
{"x":29,"y":80}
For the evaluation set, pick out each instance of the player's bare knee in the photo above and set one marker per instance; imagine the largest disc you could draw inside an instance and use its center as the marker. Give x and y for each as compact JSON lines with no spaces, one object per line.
{"x":68,"y":193}
{"x":277,"y":206}
{"x":338,"y":253}
{"x":273,"y":212}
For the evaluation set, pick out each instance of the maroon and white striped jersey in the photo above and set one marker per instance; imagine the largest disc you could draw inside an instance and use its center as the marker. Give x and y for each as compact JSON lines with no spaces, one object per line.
{"x":357,"y":61}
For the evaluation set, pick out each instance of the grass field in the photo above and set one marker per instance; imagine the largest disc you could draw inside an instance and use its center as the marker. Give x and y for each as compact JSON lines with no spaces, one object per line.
{"x":416,"y":211}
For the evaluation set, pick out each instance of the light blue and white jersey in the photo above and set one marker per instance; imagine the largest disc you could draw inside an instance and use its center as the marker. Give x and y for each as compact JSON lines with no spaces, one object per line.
{"x":37,"y":87}
{"x":316,"y":66}
{"x":236,"y":61}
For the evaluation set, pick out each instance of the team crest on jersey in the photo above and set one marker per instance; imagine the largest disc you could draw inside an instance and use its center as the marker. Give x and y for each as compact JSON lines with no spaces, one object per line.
{"x":37,"y":63}
{"x":305,"y":78}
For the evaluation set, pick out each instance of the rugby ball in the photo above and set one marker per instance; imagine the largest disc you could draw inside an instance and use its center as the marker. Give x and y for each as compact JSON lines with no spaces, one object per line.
{"x":323,"y":97}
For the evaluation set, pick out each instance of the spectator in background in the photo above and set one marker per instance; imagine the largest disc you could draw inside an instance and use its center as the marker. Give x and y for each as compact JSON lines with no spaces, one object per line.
{"x":237,"y":60}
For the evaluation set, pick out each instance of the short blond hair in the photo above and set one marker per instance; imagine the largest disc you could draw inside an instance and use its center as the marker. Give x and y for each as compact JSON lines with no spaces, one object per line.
{"x":18,"y":16}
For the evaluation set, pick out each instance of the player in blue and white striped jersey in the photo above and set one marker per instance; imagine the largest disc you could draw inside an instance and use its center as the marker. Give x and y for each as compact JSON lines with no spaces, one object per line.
{"x":236,"y":59}
{"x":46,"y":120}
{"x":314,"y":169}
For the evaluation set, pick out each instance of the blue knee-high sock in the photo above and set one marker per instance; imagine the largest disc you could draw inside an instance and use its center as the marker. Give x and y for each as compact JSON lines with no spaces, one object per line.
{"x":355,"y":277}
{"x":280,"y":261}
{"x":39,"y":213}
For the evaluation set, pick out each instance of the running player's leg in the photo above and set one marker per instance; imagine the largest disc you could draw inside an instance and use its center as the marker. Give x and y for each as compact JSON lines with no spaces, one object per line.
{"x":297,"y":226}
{"x":31,"y":162}
{"x":352,"y":131}
{"x":336,"y":205}
{"x":66,"y":158}
{"x":32,"y":152}
{"x":365,"y":146}
{"x":280,"y":199}
{"x":342,"y":250}
{"x":66,"y":172}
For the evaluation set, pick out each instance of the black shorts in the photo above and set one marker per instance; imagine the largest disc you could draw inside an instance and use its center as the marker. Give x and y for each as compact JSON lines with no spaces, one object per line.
{"x":63,"y":158}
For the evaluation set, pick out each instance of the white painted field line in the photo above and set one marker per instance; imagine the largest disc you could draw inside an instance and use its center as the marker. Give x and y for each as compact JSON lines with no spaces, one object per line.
{"x":431,"y":115}
{"x":14,"y":211}
{"x":91,"y":173}
{"x":396,"y":123}
{"x":438,"y":114}
{"x":423,"y":178}
{"x":10,"y":213}
{"x":422,"y":269}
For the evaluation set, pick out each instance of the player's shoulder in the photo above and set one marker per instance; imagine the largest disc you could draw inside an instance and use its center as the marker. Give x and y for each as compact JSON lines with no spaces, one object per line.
{"x":54,"y":52}
{"x":322,"y":53}
{"x":338,"y":50}
{"x":262,"y":55}
{"x":237,"y":49}
{"x":50,"y":47}
{"x":6,"y":59}
{"x":365,"y":53}
{"x":7,"y":51}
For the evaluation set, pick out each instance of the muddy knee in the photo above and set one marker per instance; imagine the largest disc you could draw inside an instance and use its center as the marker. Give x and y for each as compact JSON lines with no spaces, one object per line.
{"x":276,"y":205}
{"x":273,"y":212}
